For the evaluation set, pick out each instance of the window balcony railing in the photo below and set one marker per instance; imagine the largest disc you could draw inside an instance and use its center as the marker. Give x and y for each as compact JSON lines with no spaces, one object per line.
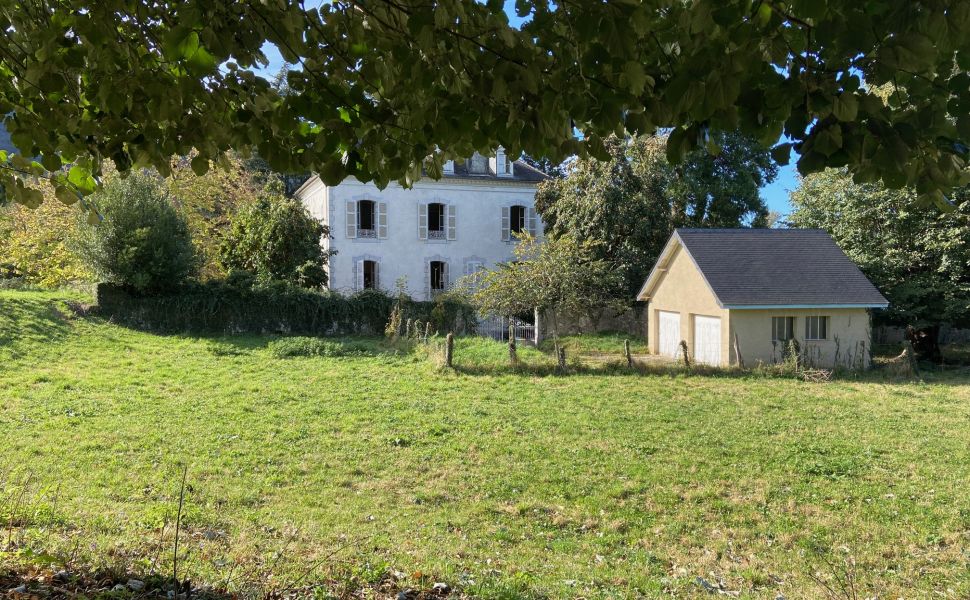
{"x":436,"y":235}
{"x":367,"y":233}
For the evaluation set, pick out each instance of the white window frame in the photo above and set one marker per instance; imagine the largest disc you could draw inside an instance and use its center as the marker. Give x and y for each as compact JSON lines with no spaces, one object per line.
{"x":816,"y":328}
{"x":789,"y":325}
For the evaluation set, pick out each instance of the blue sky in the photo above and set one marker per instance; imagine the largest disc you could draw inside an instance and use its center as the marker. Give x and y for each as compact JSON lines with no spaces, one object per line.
{"x":775,"y":194}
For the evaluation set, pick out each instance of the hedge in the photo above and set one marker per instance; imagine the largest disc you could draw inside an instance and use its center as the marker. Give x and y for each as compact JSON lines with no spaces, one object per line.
{"x":228,"y":307}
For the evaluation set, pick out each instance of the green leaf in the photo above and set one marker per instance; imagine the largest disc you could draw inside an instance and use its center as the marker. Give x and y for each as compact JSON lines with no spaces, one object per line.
{"x":65,"y":194}
{"x":80,"y":177}
{"x":781,"y":154}
{"x":845,"y":107}
{"x":636,"y":77}
{"x":200,"y":165}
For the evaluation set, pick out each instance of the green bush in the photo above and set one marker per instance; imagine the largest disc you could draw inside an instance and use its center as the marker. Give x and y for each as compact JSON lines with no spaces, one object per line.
{"x":276,"y":239}
{"x":142,"y":244}
{"x":308,"y":346}
{"x":239,"y":304}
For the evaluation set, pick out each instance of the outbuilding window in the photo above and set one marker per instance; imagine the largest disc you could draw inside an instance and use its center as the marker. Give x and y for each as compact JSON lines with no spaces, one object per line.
{"x":782,"y":329}
{"x":816,"y":328}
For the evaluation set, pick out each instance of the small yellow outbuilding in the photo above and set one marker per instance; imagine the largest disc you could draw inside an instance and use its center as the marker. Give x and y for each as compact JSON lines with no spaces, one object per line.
{"x":753,"y":295}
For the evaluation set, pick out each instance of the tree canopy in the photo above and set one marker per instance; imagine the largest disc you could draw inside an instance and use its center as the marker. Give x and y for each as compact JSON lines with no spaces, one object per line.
{"x":557,"y":277}
{"x":276,"y":239}
{"x":383,"y":90}
{"x":631,"y":202}
{"x":920,"y":261}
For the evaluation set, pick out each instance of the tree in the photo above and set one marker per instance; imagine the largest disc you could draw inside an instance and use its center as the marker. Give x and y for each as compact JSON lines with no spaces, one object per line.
{"x":208,"y":202}
{"x":632,"y":202}
{"x":920,"y":261}
{"x":382,"y":90}
{"x":559,"y":276}
{"x":275,"y":238}
{"x":142,"y":244}
{"x":33,"y":244}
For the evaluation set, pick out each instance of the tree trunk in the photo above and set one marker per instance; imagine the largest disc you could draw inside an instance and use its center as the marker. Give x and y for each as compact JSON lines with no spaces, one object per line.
{"x":926,"y":342}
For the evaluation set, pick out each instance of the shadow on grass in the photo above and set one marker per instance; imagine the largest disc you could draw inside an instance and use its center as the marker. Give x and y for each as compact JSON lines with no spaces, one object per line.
{"x":32,"y":320}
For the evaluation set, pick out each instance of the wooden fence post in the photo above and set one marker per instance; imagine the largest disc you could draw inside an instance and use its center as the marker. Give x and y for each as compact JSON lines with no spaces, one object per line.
{"x":561,"y":358}
{"x":449,"y":349}
{"x":626,"y":351}
{"x":427,"y":331}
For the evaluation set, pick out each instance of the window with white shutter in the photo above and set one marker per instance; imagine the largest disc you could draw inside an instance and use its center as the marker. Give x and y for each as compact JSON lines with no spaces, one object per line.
{"x":382,"y":220}
{"x":532,"y":222}
{"x":352,"y":219}
{"x":506,"y":224}
{"x":422,"y":221}
{"x":366,"y":219}
{"x":452,"y":221}
{"x":517,"y":220}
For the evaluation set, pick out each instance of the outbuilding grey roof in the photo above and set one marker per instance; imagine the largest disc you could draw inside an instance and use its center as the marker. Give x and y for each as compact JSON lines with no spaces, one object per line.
{"x":749,"y":268}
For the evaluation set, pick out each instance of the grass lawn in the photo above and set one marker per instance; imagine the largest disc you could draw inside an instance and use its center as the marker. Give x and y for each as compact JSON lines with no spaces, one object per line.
{"x":503,"y":484}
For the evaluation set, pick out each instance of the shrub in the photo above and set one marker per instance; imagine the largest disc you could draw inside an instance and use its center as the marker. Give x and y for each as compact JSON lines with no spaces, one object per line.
{"x":305,"y":346}
{"x":32,"y":244}
{"x":142,"y":244}
{"x":241,"y":305}
{"x":276,"y":239}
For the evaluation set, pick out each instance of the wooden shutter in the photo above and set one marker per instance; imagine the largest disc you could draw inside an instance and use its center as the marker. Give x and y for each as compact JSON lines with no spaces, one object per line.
{"x":382,"y":220}
{"x":422,"y":221}
{"x":351,"y":219}
{"x":506,"y":223}
{"x":444,"y":275}
{"x":531,"y":221}
{"x":451,"y":221}
{"x":358,"y":275}
{"x":377,"y":275}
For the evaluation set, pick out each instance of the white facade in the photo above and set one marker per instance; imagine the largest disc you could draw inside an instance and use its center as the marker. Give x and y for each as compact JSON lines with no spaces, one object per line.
{"x":432,"y":234}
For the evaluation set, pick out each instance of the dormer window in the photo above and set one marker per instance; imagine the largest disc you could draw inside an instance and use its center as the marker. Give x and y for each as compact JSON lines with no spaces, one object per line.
{"x":477,"y":165}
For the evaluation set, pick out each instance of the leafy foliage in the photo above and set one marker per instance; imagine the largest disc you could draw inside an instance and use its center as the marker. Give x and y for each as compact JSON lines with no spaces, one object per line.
{"x":33,"y":244}
{"x":920,"y":261}
{"x":558,"y":276}
{"x":632,"y":201}
{"x":142,"y":244}
{"x":207,"y":202}
{"x":240,"y":304}
{"x":384,"y":89}
{"x":276,"y":239}
{"x":313,"y":346}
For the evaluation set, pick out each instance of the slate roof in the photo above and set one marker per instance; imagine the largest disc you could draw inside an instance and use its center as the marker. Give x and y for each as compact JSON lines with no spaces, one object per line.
{"x":778,"y":267}
{"x":522,"y":171}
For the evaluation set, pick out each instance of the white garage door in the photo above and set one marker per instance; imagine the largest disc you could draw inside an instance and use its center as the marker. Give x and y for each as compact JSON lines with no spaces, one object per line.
{"x":707,"y":340}
{"x":669,"y":330}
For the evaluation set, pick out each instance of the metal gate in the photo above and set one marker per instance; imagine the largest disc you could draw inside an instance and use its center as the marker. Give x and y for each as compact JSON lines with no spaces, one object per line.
{"x":497,"y":328}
